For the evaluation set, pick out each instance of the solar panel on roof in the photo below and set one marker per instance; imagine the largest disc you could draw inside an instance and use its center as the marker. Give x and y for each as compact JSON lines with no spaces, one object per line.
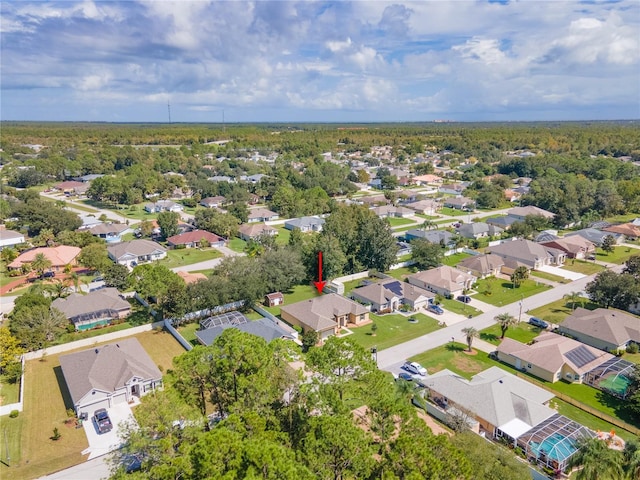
{"x":580,"y":356}
{"x":395,"y":287}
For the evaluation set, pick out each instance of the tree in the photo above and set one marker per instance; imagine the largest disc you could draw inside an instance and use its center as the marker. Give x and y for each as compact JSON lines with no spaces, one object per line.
{"x":573,"y":298}
{"x":8,"y":254}
{"x":505,"y":321}
{"x":37,"y":326}
{"x":425,"y":254}
{"x":146,"y":228}
{"x":520,"y":274}
{"x":40,"y":263}
{"x":282,"y":269}
{"x":221,"y":224}
{"x":309,"y":339}
{"x":632,"y":266}
{"x":611,"y":289}
{"x":10,"y":352}
{"x":470,"y":333}
{"x":608,"y":242}
{"x":168,"y":223}
{"x":596,"y":460}
{"x":115,"y":275}
{"x":94,"y":256}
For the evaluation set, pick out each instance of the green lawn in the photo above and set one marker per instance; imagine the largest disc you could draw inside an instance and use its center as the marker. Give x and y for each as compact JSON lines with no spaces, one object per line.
{"x":188,"y":332}
{"x":393,"y":329}
{"x":237,"y":245}
{"x":453,"y":357}
{"x":556,"y":312}
{"x":522,"y":332}
{"x":622,"y":218}
{"x":283,"y":236}
{"x":188,"y":256}
{"x":401,"y":273}
{"x":503,"y":293}
{"x":549,"y":276}
{"x":297,"y":294}
{"x":425,"y":217}
{"x":9,"y":392}
{"x":398,"y":222}
{"x":586,"y":268}
{"x":452,"y":212}
{"x":460,"y":308}
{"x":406,"y":229}
{"x":453,"y":260}
{"x":618,"y":256}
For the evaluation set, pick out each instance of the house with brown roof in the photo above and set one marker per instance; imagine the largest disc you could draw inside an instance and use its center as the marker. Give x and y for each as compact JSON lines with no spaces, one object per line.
{"x":59,"y":256}
{"x":529,"y":254}
{"x":273,"y":299}
{"x":521,"y":213}
{"x":552,"y":357}
{"x":135,"y":252}
{"x":96,"y":308}
{"x":213,"y":202}
{"x":194,"y":239}
{"x":388,"y":295}
{"x":261,"y":215}
{"x":425,"y":207}
{"x":574,"y":246}
{"x":251,"y":231}
{"x":459,"y":203}
{"x":101,"y":377}
{"x":629,"y":230}
{"x":444,"y":280}
{"x":325,"y":314}
{"x":72,"y":187}
{"x":427,"y":179}
{"x":482,"y":266}
{"x":603,"y":328}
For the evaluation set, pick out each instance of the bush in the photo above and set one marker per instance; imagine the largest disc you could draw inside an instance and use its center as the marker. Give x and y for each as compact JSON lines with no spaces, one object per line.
{"x":14,"y":414}
{"x":633,"y":348}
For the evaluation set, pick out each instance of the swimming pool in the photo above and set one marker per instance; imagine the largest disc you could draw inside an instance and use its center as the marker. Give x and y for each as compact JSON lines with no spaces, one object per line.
{"x":618,"y":384}
{"x":556,"y":447}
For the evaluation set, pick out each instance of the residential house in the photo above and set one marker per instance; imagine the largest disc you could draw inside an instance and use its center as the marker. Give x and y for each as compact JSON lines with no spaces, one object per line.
{"x":101,"y":377}
{"x":163,"y":206}
{"x":254,"y":179}
{"x":59,"y":256}
{"x":459,"y":203}
{"x":389,"y":211}
{"x":10,"y":238}
{"x":428,"y":179}
{"x":603,"y":328}
{"x":552,"y":357}
{"x":482,"y":266}
{"x":190,"y":277}
{"x":477,"y":230}
{"x":452,"y":189}
{"x":503,"y":405}
{"x":403,"y":176}
{"x":194,"y":239}
{"x":628,"y":230}
{"x":425,"y":207}
{"x":389,"y":294}
{"x":503,"y":222}
{"x":213,"y":202}
{"x":264,"y":328}
{"x":512,"y":195}
{"x":441,"y":237}
{"x":273,"y":299}
{"x":110,"y":232}
{"x":444,"y":280}
{"x":596,"y":236}
{"x":88,"y":222}
{"x":134,"y":252}
{"x":221,"y":178}
{"x":373,"y":200}
{"x":72,"y":187}
{"x":181,"y":192}
{"x":325,"y":314}
{"x":521,"y":213}
{"x":96,"y":308}
{"x":574,"y":246}
{"x":305,"y":224}
{"x":261,"y":215}
{"x":251,"y":231}
{"x":529,"y":254}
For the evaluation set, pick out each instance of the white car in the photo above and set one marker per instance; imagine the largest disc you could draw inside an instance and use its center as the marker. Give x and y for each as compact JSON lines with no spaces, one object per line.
{"x":414,"y":367}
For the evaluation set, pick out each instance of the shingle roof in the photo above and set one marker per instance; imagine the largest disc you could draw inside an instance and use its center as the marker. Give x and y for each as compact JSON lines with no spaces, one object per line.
{"x":134,"y":247}
{"x":380,"y":293}
{"x":194,"y":236}
{"x":444,"y":276}
{"x":261,"y":213}
{"x":255,"y":229}
{"x":482,"y":263}
{"x":77,"y":304}
{"x":433,"y":236}
{"x":106,"y":368}
{"x":525,"y":250}
{"x":304,"y":222}
{"x":318,"y":313}
{"x":106,"y":228}
{"x":10,"y":234}
{"x":530,"y":210}
{"x":612,"y":326}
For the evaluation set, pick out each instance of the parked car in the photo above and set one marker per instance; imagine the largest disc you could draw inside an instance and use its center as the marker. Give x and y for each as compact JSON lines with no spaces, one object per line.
{"x":48,"y":274}
{"x":538,"y":322}
{"x":405,"y":376}
{"x":432,"y":307}
{"x":464,"y":298}
{"x":103,"y":422}
{"x":414,"y":367}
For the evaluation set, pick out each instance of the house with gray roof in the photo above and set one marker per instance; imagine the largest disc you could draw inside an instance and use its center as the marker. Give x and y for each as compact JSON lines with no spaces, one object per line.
{"x":503,"y":222}
{"x":477,"y":230}
{"x":213,"y":202}
{"x":444,"y":280}
{"x":434,"y":236}
{"x":552,"y":357}
{"x":135,"y":252}
{"x":325,"y":314}
{"x":305,"y":224}
{"x":482,"y":266}
{"x":10,"y":238}
{"x":529,"y":254}
{"x":596,"y":236}
{"x":574,"y":246}
{"x":521,"y":213}
{"x":261,"y":215}
{"x":163,"y":206}
{"x":387,"y":295}
{"x":104,"y":376}
{"x":110,"y":232}
{"x":503,"y":404}
{"x":391,"y":211}
{"x":604,"y":328}
{"x":460,"y":203}
{"x":96,"y":308}
{"x":264,"y":328}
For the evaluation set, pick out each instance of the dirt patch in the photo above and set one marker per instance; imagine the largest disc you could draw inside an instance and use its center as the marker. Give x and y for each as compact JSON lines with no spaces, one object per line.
{"x":470,"y":353}
{"x":435,"y":427}
{"x":466,"y":365}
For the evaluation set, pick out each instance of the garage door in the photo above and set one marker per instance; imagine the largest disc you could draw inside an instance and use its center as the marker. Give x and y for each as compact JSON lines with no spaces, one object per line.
{"x":92,"y":407}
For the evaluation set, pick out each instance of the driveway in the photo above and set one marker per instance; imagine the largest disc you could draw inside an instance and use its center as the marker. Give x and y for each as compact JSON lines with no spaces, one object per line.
{"x":101,"y":444}
{"x":561,"y":272}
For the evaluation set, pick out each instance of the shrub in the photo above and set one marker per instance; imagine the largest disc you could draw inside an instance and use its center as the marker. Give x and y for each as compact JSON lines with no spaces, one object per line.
{"x":14,"y":414}
{"x":56,"y":434}
{"x":633,"y":348}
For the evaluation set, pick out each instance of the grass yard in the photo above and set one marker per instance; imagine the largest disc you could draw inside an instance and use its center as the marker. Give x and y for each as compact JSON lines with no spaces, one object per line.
{"x":549,"y":276}
{"x":586,"y":268}
{"x":398,"y":222}
{"x":393,"y":329}
{"x":188,"y":332}
{"x":401,"y":273}
{"x":237,"y":245}
{"x":407,"y":228}
{"x":522,"y":332}
{"x":556,"y":312}
{"x":618,"y":256}
{"x":503,"y":293}
{"x":453,"y":260}
{"x":452,"y":212}
{"x":32,"y":452}
{"x":453,"y":357}
{"x":425,"y":217}
{"x":297,"y":294}
{"x":188,"y":256}
{"x":622,"y":218}
{"x":283,"y":236}
{"x":9,"y":392}
{"x":460,"y":308}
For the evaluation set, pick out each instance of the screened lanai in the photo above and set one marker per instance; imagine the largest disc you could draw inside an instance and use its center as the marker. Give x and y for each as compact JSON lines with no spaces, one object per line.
{"x":230,"y":318}
{"x":553,"y":442}
{"x":613,"y":376}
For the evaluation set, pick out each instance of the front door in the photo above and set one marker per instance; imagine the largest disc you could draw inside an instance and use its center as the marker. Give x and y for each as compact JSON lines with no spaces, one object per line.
{"x":135,"y":390}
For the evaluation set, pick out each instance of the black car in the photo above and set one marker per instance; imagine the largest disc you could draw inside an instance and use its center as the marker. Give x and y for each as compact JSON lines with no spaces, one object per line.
{"x":103,"y":422}
{"x":464,"y":298}
{"x":48,"y":274}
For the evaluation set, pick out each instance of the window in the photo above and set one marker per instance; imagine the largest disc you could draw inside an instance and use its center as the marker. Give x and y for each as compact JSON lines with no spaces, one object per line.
{"x":528,"y":365}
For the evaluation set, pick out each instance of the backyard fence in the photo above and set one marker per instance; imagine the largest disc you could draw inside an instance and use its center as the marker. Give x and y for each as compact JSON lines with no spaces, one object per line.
{"x":168,"y":324}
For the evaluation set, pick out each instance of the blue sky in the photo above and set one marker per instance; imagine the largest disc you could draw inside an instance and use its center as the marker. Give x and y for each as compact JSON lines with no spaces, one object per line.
{"x":276,"y":61}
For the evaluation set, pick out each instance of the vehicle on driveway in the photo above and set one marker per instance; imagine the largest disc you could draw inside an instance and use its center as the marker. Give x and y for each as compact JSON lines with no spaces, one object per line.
{"x":464,"y":298}
{"x":405,"y":376}
{"x":537,"y":322}
{"x":103,"y":422}
{"x":414,"y":367}
{"x":435,"y":309}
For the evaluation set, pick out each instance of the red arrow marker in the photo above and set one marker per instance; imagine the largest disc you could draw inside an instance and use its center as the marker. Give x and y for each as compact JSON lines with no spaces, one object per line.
{"x":320,"y":283}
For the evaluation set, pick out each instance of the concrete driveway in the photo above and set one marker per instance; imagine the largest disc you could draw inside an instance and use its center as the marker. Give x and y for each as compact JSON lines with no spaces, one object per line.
{"x":101,"y":444}
{"x":561,"y":272}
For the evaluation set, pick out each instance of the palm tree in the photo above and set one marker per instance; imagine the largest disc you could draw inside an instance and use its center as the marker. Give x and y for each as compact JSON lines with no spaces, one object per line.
{"x":428,"y":225}
{"x":573,"y":298}
{"x":596,"y":460}
{"x":505,"y":321}
{"x":40,"y":263}
{"x":519,"y":274}
{"x":470,"y":333}
{"x":631,"y":454}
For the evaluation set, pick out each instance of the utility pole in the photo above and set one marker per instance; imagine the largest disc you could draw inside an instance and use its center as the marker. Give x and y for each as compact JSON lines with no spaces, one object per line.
{"x":6,"y":443}
{"x":520,"y":314}
{"x":169,"y":109}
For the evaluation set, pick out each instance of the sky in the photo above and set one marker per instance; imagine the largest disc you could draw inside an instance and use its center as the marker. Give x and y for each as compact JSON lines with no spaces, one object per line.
{"x":316,"y":61}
